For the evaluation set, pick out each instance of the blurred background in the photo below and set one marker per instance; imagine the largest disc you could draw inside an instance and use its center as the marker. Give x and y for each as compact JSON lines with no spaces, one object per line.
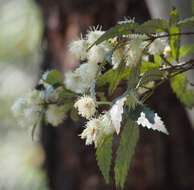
{"x":34,"y":37}
{"x":21,"y":28}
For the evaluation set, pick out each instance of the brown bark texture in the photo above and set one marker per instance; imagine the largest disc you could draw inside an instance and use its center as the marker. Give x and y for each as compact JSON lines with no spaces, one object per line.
{"x":160,"y":162}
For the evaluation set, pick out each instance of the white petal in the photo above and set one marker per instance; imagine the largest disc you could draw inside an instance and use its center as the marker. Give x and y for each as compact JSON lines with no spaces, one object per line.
{"x":116,"y":113}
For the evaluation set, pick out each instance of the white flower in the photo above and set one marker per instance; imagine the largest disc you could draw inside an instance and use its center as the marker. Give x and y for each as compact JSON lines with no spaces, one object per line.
{"x":32,"y":115}
{"x":97,"y":54}
{"x":158,"y":46}
{"x":87,"y":72}
{"x":74,"y":82}
{"x":27,"y":110}
{"x":107,"y":124}
{"x":79,"y":49}
{"x":80,"y":80}
{"x":133,"y":51}
{"x":167,"y":50}
{"x":19,"y":107}
{"x":97,"y":129}
{"x":92,"y":36}
{"x":55,"y":114}
{"x":86,"y":106}
{"x":117,"y":57}
{"x":92,"y":132}
{"x":35,"y":97}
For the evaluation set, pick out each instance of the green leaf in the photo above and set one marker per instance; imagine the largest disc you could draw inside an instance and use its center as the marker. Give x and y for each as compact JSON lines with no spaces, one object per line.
{"x":132,"y":100}
{"x":148,"y":65}
{"x":74,"y":115}
{"x":133,"y":114}
{"x":134,"y":76}
{"x":116,"y":31}
{"x":186,"y":23}
{"x":53,"y":77}
{"x":68,"y":94}
{"x":151,"y":75}
{"x":104,"y":157}
{"x":101,"y":96}
{"x":157,"y":59}
{"x":174,"y":17}
{"x":175,"y":42}
{"x":153,"y":26}
{"x":107,"y":77}
{"x":129,"y":138}
{"x":116,"y":78}
{"x":179,"y":84}
{"x":186,"y":50}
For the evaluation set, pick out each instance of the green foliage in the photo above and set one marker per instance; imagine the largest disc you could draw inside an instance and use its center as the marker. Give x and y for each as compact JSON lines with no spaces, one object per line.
{"x":53,"y":77}
{"x":186,"y":50}
{"x":67,"y":94}
{"x":179,"y":84}
{"x":175,"y":42}
{"x":174,"y":17}
{"x":145,"y":66}
{"x":113,"y":77}
{"x":151,"y":75}
{"x":129,"y":138}
{"x":192,"y":7}
{"x":116,"y":78}
{"x":153,"y":26}
{"x":74,"y":115}
{"x":116,"y":31}
{"x":107,"y":77}
{"x":186,"y":23}
{"x":134,"y":76}
{"x":132,"y":100}
{"x":104,"y":157}
{"x":149,"y":114}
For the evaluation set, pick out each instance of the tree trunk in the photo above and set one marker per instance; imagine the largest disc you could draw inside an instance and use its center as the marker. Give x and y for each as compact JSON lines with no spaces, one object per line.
{"x":160,"y":162}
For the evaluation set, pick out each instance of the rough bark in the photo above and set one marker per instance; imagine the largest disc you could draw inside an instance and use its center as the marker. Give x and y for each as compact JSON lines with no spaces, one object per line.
{"x":160,"y":162}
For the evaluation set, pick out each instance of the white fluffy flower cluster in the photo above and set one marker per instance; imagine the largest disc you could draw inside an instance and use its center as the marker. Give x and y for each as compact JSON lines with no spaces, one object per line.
{"x":27,"y":110}
{"x":98,"y":128}
{"x":86,"y":106}
{"x":133,"y":50}
{"x":131,"y":53}
{"x":117,"y":57}
{"x":80,"y":80}
{"x":96,"y":54}
{"x":55,"y":114}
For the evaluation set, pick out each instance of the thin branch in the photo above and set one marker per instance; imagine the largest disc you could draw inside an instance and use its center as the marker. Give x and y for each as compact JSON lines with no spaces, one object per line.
{"x":168,"y":35}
